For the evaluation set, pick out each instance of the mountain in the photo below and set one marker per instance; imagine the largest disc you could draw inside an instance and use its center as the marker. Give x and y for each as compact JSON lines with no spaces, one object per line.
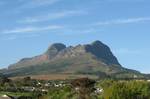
{"x":94,"y":59}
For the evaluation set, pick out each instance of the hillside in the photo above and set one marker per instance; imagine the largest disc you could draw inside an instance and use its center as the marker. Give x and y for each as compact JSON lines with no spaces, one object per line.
{"x":94,"y":59}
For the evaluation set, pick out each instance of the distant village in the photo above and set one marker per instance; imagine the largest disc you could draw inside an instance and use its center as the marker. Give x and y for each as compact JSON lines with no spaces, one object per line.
{"x":28,"y":85}
{"x":26,"y":88}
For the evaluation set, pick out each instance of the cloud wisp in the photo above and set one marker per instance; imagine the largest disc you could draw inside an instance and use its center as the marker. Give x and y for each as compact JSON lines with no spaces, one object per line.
{"x":123,"y":21}
{"x":30,"y":5}
{"x":37,"y":3}
{"x":52,"y":16}
{"x":30,"y":29}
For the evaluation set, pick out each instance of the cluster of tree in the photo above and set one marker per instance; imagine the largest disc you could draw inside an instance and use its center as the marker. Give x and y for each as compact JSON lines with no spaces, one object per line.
{"x":84,"y":87}
{"x":126,"y":89}
{"x":26,"y":81}
{"x":13,"y":88}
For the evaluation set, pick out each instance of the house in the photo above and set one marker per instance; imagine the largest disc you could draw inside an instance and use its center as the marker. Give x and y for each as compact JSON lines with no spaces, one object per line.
{"x":148,"y":80}
{"x":29,"y":89}
{"x":47,"y":85}
{"x":6,"y":97}
{"x":56,"y":85}
{"x":98,"y":90}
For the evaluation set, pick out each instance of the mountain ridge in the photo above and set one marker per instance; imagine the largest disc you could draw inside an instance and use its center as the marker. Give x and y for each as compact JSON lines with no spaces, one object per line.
{"x":95,"y":58}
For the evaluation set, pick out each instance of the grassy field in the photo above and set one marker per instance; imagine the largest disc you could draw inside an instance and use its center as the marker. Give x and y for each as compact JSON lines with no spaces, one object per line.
{"x":15,"y":94}
{"x":58,"y":76}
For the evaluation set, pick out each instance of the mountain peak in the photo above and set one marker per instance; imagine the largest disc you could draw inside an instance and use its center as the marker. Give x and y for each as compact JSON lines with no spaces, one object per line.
{"x":58,"y":46}
{"x":102,"y":52}
{"x":99,"y":44}
{"x":96,"y":42}
{"x":54,"y":49}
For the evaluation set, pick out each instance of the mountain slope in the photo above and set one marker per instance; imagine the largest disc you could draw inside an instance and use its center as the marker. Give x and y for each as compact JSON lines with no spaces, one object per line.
{"x":95,"y":58}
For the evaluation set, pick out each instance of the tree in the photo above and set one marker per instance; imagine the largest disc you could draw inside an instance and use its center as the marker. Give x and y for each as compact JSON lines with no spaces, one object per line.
{"x":84,"y":87}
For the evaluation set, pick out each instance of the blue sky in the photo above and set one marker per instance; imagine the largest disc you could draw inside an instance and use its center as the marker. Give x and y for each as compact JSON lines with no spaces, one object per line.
{"x":28,"y":27}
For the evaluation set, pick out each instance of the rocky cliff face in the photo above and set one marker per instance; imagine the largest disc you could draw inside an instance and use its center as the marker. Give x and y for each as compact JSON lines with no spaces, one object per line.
{"x":89,"y":58}
{"x":102,"y":52}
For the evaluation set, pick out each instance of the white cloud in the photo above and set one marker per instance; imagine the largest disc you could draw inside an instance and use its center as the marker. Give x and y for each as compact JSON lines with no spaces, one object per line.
{"x":124,"y":21}
{"x":37,"y":3}
{"x":52,"y":16}
{"x":30,"y":4}
{"x":15,"y":36}
{"x":43,"y":2}
{"x":31,"y":29}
